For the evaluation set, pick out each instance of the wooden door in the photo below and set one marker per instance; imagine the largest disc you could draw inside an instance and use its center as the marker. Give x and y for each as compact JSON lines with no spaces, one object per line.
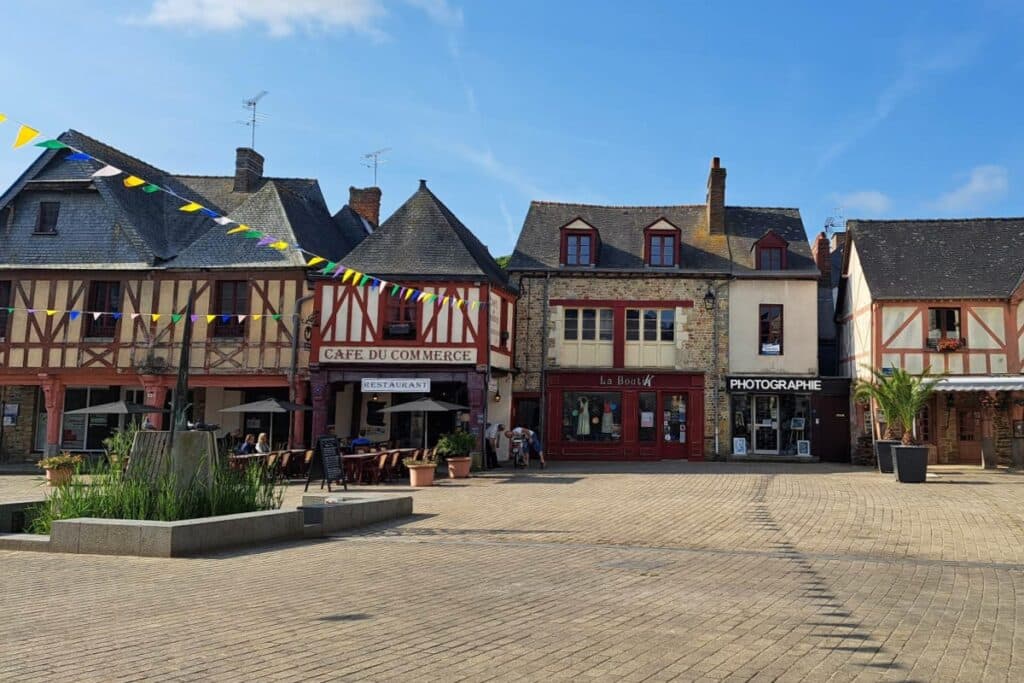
{"x":674,"y":422}
{"x":968,"y":428}
{"x":831,"y":429}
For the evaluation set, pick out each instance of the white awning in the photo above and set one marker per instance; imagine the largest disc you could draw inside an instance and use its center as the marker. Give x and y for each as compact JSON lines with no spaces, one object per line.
{"x":982,"y":383}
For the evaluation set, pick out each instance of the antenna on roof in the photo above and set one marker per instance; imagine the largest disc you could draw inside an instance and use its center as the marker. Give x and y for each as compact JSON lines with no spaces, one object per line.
{"x":250,"y":104}
{"x":835,"y":223}
{"x":373,"y":160}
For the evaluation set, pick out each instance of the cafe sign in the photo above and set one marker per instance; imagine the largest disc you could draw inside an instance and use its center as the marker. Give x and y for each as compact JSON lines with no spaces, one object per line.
{"x":397,"y":354}
{"x":396,"y":385}
{"x":804,"y":385}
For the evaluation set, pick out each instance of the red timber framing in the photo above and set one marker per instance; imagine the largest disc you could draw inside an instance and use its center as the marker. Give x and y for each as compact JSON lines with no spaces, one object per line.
{"x":53,"y":352}
{"x":619,"y":308}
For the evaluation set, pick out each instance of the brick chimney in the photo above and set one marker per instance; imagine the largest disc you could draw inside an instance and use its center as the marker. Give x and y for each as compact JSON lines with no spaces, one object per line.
{"x":716,"y":198}
{"x":366,"y":202}
{"x":822,"y":251}
{"x":248,"y":169}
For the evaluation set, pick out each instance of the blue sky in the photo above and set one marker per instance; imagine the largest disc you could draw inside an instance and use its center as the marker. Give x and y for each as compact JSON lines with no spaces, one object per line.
{"x":883,"y":109}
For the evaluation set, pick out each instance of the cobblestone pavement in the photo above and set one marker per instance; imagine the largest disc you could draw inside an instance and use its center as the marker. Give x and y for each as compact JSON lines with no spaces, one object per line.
{"x":657,"y":571}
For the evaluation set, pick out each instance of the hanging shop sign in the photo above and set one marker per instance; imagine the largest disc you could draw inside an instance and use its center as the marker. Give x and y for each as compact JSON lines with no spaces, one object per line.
{"x":396,"y":385}
{"x":802,"y":385}
{"x":395,"y":354}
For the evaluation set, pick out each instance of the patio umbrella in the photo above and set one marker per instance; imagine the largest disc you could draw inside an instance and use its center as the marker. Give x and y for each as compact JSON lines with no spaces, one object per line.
{"x":269,"y":405}
{"x":424,"y":405}
{"x":117,"y":408}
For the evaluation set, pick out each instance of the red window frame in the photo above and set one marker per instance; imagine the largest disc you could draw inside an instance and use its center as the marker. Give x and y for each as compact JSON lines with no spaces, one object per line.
{"x":399,"y":310}
{"x":232,"y":300}
{"x":591,"y":235}
{"x":765,"y":260}
{"x":661,"y":236}
{"x":105,"y":298}
{"x":765,"y":322}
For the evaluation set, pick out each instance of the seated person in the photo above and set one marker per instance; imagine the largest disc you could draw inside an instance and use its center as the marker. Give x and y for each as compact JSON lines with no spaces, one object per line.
{"x":360,"y":441}
{"x":248,"y":446}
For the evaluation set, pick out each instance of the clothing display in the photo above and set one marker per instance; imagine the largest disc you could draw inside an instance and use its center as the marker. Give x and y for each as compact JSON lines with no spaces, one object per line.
{"x":583,"y":423}
{"x":607,"y":420}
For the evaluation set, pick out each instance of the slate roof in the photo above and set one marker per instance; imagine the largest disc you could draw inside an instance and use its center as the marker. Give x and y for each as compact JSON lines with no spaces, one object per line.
{"x":104,"y":225}
{"x":940,"y":259}
{"x":424,"y":239}
{"x":621,"y":233}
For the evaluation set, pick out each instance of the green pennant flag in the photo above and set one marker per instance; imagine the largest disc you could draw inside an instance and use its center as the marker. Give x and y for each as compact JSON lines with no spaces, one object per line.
{"x":275,"y":316}
{"x":331,"y":265}
{"x":176,"y":317}
{"x":51,"y":144}
{"x":394,"y":289}
{"x":10,"y":310}
{"x":252,"y":234}
{"x":363,"y":279}
{"x":151,"y":188}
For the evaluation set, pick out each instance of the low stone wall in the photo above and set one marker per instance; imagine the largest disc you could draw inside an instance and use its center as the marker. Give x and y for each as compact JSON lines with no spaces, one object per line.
{"x":318,"y":516}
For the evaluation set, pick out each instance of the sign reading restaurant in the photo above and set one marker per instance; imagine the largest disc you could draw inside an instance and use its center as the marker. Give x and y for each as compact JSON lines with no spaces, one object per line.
{"x":804,"y":384}
{"x":396,"y":385}
{"x":395,"y":354}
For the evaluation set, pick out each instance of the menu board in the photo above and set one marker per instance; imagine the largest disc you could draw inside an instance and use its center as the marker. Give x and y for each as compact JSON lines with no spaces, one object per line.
{"x":329,"y":454}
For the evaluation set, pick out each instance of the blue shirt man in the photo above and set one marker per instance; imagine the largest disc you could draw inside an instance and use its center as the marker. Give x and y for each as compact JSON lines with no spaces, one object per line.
{"x":360,"y":440}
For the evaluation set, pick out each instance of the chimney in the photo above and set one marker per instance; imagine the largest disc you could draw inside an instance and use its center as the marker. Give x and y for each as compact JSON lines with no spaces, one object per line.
{"x":248,"y":169}
{"x":716,"y":198}
{"x":822,"y":251}
{"x":366,"y":202}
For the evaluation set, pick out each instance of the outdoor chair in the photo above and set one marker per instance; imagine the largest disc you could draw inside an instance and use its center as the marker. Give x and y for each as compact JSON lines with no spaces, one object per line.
{"x":306,"y":462}
{"x":417,"y":454}
{"x":270,"y":464}
{"x":395,"y":464}
{"x":382,"y":472}
{"x":282,"y":467}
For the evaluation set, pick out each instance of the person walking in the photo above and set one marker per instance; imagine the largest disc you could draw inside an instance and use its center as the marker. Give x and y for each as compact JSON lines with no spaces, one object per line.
{"x":493,"y":438}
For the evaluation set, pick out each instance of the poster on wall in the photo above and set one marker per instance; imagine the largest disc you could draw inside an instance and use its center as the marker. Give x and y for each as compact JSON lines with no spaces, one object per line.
{"x":739,"y":446}
{"x":803,"y":447}
{"x":10,"y":414}
{"x":646,"y":419}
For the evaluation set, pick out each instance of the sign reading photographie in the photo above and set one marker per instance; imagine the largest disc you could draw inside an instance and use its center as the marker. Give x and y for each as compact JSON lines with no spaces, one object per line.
{"x":396,"y":385}
{"x":396,"y":354}
{"x":797,"y":384}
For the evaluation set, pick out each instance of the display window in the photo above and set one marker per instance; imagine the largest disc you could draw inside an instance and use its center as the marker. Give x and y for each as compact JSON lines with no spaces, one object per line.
{"x":591,"y":416}
{"x":771,"y":424}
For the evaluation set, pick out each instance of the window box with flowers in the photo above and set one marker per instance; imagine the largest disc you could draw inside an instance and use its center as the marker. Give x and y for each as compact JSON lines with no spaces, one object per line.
{"x":948,"y":344}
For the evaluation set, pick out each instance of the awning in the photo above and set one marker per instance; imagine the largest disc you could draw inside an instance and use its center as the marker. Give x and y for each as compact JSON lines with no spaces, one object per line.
{"x":982,"y":383}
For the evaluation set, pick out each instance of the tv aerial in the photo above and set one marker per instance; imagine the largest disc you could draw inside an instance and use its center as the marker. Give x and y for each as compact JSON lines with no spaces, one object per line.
{"x":373,"y":160}
{"x":254,"y":117}
{"x":835,"y":223}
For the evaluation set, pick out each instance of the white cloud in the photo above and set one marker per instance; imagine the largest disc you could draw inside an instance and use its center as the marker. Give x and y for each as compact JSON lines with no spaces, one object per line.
{"x":864,"y":202}
{"x":279,"y":17}
{"x":984,"y":183}
{"x":486,"y":162}
{"x":440,"y":12}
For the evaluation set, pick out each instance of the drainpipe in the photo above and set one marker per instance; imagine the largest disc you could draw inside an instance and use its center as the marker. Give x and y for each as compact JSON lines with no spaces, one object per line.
{"x":716,"y":288}
{"x":544,"y":360}
{"x":293,"y":368}
{"x":487,"y":383}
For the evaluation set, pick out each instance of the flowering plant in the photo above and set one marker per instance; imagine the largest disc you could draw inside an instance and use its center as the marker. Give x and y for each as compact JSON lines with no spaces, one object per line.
{"x":60,"y":462}
{"x":948,"y":344}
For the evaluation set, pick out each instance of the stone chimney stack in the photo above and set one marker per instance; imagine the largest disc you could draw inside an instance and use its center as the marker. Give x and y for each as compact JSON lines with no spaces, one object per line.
{"x":248,"y":170}
{"x":366,"y":202}
{"x":716,"y":198}
{"x":822,"y":250}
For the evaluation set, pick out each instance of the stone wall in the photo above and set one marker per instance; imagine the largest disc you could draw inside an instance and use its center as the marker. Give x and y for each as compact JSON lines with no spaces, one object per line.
{"x":17,"y":440}
{"x":694,"y":354}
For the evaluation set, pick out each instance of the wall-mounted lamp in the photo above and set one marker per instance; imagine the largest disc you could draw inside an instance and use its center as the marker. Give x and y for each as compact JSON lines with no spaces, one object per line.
{"x":709,"y":299}
{"x":374,"y":397}
{"x":497,"y":395}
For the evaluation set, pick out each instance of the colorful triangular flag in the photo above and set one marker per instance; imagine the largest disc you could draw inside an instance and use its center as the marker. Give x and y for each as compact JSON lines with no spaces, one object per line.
{"x":225,"y":318}
{"x":77,"y":156}
{"x":315,"y":260}
{"x":363,"y":279}
{"x":51,"y":312}
{"x":3,"y":117}
{"x":150,"y":188}
{"x":279,"y":245}
{"x":264,"y":241}
{"x":331,"y":265}
{"x":191,"y":207}
{"x":209,"y":213}
{"x":237,"y":229}
{"x":135,"y":315}
{"x":25,"y":135}
{"x":241,"y":318}
{"x":116,"y":316}
{"x":257,"y":316}
{"x":51,"y":144}
{"x":107,"y":172}
{"x":176,"y":318}
{"x":275,"y":316}
{"x":348,"y":272}
{"x":154,"y":316}
{"x":222,"y":220}
{"x":133,"y":181}
{"x":210,"y":318}
{"x":74,"y":314}
{"x":394,"y":289}
{"x":194,"y":318}
{"x":252,"y":234}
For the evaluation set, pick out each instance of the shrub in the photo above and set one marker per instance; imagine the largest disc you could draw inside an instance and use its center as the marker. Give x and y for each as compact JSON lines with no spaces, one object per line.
{"x":455,"y":445}
{"x":59,"y":462}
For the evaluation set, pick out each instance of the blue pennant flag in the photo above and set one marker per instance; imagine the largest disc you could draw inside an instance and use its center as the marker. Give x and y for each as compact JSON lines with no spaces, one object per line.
{"x":74,"y":314}
{"x":77,"y":156}
{"x":117,"y":316}
{"x":209,"y":213}
{"x":225,"y":318}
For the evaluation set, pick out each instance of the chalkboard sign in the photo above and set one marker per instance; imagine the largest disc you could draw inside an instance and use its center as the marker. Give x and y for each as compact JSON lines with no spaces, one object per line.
{"x":329,"y":456}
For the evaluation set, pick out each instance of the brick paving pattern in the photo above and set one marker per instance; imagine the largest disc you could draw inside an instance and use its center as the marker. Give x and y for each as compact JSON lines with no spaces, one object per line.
{"x":693,"y":572}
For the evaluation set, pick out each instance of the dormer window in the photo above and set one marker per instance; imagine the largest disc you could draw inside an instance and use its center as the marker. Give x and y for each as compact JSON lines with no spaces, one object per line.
{"x":770,"y":252}
{"x":661,"y":244}
{"x":579,"y":244}
{"x":46,"y":224}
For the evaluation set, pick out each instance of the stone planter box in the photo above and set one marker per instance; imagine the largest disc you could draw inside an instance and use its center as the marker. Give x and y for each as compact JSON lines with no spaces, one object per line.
{"x":318,"y":516}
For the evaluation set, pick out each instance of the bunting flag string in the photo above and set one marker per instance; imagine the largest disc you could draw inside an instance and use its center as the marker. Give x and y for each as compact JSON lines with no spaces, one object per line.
{"x":152,"y":316}
{"x":26,"y":134}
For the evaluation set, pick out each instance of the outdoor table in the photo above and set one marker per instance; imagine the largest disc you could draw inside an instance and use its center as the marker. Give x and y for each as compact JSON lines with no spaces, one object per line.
{"x":355,"y":465}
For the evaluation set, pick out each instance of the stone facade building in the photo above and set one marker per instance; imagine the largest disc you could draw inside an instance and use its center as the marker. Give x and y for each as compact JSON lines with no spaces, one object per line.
{"x":626,"y":322}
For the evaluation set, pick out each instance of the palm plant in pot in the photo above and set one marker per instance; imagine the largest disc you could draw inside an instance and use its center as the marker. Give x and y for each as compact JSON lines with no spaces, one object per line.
{"x":879,"y":390}
{"x":908,"y":394}
{"x":455,"y":449}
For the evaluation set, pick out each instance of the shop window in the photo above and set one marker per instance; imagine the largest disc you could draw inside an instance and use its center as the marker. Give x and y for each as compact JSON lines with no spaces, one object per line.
{"x":104,"y":298}
{"x":770,"y":327}
{"x":587,"y":324}
{"x":46,"y":223}
{"x":650,"y":325}
{"x":232,"y":297}
{"x":741,"y":418}
{"x":647,"y":406}
{"x":87,"y":432}
{"x":401,"y":318}
{"x":943,"y":323}
{"x":591,"y":416}
{"x":5,"y":302}
{"x":674,"y":418}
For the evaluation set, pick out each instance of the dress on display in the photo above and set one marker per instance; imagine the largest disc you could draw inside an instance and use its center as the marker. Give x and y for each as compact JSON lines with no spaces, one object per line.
{"x":583,"y":419}
{"x":606,"y":419}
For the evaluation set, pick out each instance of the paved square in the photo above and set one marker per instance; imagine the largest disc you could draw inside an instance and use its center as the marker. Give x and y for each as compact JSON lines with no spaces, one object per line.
{"x":586,"y":571}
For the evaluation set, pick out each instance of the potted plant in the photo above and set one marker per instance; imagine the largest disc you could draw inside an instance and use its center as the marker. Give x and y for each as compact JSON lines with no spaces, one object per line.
{"x":421,"y":472}
{"x":908,"y":394}
{"x":455,"y":449}
{"x":119,"y":446}
{"x":59,"y":468}
{"x":878,"y":390}
{"x":947,"y":344}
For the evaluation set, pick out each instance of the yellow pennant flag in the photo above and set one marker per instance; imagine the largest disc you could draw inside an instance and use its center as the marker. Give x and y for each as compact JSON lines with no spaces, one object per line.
{"x":408,"y":293}
{"x":348,"y":273}
{"x":279,"y":245}
{"x":3,"y":117}
{"x":459,"y":303}
{"x":237,"y":229}
{"x":25,"y":135}
{"x":51,"y":311}
{"x":133,"y":181}
{"x":257,"y":316}
{"x":155,"y":316}
{"x":210,"y":319}
{"x":191,"y":207}
{"x":444,"y":301}
{"x":315,"y":260}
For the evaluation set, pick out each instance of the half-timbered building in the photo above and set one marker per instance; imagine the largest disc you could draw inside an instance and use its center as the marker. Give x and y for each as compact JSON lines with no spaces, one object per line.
{"x":375,"y":347}
{"x":947,"y":296}
{"x":95,"y":277}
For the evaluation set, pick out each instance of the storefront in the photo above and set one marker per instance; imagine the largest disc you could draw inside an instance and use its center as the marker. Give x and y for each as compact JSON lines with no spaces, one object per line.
{"x":772,"y":415}
{"x":625,"y":415}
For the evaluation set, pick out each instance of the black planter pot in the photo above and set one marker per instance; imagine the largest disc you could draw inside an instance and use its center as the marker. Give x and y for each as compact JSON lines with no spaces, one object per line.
{"x":883,"y":454}
{"x":910,"y":463}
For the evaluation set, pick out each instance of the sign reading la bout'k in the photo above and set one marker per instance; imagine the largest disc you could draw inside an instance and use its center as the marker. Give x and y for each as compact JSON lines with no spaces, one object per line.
{"x":397,"y":354}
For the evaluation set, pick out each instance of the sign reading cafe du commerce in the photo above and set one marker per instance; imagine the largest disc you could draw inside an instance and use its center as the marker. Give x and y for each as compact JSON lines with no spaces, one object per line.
{"x":395,"y":354}
{"x":795,"y":384}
